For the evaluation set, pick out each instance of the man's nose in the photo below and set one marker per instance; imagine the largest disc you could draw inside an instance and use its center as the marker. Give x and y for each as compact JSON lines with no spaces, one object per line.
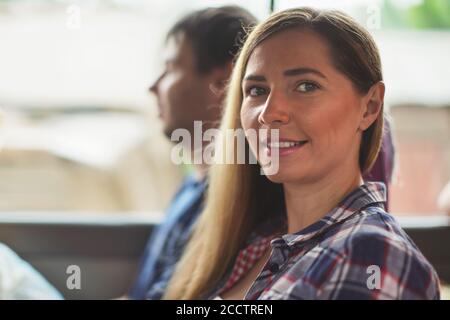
{"x":154,"y":86}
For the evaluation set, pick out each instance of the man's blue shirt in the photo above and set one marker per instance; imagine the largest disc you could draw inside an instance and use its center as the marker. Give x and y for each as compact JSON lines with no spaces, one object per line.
{"x":168,"y":240}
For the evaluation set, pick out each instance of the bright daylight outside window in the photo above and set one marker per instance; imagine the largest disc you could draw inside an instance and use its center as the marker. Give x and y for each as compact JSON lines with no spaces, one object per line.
{"x":78,"y":115}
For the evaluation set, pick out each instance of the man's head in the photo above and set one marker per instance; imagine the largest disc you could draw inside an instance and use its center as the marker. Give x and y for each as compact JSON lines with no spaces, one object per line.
{"x":198,"y":60}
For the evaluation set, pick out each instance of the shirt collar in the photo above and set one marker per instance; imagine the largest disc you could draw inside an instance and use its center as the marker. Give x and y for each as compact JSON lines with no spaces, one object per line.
{"x":370,"y":193}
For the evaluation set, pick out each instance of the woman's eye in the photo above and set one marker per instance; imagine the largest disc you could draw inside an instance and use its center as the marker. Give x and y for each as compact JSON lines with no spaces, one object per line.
{"x":307,"y":87}
{"x":256,"y":91}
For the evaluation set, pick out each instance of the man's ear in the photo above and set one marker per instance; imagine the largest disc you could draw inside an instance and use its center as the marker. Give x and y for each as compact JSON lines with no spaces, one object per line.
{"x":219,"y":80}
{"x":372,"y":105}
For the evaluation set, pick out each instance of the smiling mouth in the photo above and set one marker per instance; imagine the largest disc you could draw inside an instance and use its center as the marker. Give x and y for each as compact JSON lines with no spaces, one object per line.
{"x":286,"y":144}
{"x":285,"y":147}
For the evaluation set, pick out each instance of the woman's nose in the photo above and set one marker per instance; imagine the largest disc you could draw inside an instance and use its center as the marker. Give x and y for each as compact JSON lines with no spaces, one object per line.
{"x":275,"y":110}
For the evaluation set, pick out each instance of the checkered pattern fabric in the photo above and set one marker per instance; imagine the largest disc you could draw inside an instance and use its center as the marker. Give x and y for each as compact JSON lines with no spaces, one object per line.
{"x":246,"y":259}
{"x":356,"y":251}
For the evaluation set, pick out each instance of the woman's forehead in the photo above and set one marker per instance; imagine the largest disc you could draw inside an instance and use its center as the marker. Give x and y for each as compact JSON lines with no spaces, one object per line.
{"x":288,"y":49}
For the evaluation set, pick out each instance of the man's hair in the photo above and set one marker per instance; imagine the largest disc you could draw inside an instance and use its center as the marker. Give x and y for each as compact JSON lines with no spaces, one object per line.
{"x":216,"y":34}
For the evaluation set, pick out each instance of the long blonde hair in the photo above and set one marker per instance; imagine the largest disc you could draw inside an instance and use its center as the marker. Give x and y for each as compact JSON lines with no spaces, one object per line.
{"x":238,"y":197}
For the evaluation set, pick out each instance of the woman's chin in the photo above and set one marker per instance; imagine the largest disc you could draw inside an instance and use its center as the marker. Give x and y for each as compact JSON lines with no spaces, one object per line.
{"x":282,"y":177}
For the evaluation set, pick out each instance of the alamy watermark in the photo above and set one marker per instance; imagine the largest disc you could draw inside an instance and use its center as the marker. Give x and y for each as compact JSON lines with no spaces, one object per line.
{"x":214,"y":146}
{"x":373,"y":21}
{"x":73,"y":19}
{"x":374,"y":280}
{"x":73,"y":281}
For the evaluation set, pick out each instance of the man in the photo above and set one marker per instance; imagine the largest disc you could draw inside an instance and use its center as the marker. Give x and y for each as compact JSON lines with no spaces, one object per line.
{"x":198,"y":61}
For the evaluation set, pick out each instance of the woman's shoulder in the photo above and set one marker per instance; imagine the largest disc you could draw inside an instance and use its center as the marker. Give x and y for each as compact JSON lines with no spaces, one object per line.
{"x":372,"y":243}
{"x":375,"y":236}
{"x":370,"y":225}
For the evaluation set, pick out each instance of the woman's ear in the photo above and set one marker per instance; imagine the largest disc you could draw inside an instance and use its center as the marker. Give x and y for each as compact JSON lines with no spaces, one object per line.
{"x":372,"y":105}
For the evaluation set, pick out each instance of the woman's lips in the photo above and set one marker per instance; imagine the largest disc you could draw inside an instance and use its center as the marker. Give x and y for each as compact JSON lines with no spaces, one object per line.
{"x":285,"y":147}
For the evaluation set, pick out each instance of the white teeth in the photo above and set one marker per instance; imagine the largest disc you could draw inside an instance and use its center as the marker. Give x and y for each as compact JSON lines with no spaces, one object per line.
{"x":284,"y":144}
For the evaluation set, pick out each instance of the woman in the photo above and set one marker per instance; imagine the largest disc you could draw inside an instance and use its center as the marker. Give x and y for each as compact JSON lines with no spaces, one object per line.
{"x":313,"y":229}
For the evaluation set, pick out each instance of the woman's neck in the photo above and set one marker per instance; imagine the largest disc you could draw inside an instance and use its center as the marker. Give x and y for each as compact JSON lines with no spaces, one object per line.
{"x":306,"y":203}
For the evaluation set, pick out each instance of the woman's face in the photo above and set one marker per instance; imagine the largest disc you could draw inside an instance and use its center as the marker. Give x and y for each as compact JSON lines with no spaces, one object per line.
{"x":290,"y":84}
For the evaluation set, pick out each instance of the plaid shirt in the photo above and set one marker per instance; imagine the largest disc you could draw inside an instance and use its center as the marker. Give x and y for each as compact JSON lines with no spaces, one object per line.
{"x":338,"y":257}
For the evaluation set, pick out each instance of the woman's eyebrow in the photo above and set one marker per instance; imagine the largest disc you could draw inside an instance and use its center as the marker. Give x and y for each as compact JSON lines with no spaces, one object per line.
{"x":288,"y":73}
{"x":254,"y":77}
{"x":300,"y":71}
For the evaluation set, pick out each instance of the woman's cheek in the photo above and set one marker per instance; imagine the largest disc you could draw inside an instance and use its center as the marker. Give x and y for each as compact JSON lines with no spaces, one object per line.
{"x":248,"y":118}
{"x":250,"y":122}
{"x":334,"y":130}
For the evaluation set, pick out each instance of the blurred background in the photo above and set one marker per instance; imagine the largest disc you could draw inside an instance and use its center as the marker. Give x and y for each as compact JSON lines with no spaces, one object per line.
{"x":79,"y":129}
